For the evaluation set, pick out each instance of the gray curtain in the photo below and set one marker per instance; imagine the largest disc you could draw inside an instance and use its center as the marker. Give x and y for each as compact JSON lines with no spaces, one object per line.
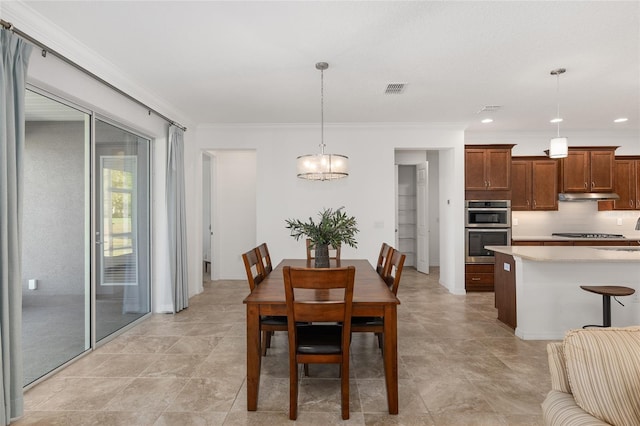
{"x":13,"y":71}
{"x":177,"y":220}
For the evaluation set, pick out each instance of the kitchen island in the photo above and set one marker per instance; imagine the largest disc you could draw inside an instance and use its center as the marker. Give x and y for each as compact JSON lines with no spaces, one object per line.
{"x":538,"y":287}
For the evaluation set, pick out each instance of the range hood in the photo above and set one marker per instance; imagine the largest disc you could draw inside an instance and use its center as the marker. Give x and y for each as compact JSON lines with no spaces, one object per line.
{"x":587,"y":196}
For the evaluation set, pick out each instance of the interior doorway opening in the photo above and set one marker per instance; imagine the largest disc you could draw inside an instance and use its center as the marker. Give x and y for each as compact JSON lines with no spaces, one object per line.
{"x":417,"y":207}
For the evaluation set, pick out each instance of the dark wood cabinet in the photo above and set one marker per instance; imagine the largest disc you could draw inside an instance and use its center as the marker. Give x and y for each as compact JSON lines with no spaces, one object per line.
{"x":588,"y":169}
{"x":505,"y":289}
{"x":626,"y":173}
{"x":534,"y":183}
{"x":487,"y":167}
{"x":478,"y":277}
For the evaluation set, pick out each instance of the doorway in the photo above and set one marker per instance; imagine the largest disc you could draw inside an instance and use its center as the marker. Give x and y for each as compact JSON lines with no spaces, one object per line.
{"x":417,"y":207}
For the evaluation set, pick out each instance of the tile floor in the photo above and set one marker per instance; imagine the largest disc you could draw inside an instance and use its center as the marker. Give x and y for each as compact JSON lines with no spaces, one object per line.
{"x":457,"y":366}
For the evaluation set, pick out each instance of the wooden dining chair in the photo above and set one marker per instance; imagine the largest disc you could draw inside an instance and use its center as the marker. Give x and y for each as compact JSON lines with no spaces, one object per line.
{"x":313,"y":295}
{"x":334,"y":252}
{"x":255,"y":274}
{"x":383,"y":259}
{"x":392,"y":279}
{"x":263,"y":251}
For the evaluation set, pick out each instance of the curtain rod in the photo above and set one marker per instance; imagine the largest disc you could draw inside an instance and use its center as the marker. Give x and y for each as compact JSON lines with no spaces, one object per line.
{"x":9,"y":26}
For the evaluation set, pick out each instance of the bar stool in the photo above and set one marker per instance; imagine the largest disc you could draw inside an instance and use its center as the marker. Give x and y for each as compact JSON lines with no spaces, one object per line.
{"x":607,"y":291}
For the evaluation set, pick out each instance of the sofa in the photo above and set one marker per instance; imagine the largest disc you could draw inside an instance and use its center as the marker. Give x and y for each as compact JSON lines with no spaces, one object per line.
{"x":595,"y":378}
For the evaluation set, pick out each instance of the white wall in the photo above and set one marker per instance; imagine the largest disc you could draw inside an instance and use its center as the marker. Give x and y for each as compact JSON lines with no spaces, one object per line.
{"x":368,"y":193}
{"x":235,"y":211}
{"x":53,"y":75}
{"x":535,"y":143}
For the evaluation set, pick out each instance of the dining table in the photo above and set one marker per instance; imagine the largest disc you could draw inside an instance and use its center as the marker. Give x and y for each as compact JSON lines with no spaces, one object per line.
{"x":371,"y":298}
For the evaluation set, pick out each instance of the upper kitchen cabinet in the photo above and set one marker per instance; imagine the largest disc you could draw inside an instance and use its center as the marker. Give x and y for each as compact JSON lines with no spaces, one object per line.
{"x":588,"y":169}
{"x":487,"y":171}
{"x":534,"y":183}
{"x":626,"y":172}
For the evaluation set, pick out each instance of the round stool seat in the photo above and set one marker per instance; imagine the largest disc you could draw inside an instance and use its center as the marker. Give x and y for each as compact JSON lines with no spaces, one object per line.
{"x":607,"y":291}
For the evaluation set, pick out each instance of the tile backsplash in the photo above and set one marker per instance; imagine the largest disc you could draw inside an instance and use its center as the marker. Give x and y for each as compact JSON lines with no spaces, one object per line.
{"x":574,"y":217}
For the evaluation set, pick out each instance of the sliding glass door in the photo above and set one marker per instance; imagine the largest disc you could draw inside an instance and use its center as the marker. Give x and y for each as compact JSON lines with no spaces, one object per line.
{"x":86,"y":232}
{"x":122,"y":228}
{"x":56,"y":240}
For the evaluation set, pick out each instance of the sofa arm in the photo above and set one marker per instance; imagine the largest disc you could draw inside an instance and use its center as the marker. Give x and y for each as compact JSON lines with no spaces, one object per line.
{"x":558,"y":367}
{"x":560,"y":409}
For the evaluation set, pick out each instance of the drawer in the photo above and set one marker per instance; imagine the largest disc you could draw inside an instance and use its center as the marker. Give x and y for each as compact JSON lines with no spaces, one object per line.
{"x":478,"y":278}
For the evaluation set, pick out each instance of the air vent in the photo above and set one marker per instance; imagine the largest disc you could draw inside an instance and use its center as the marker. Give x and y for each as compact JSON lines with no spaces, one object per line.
{"x":395,"y":88}
{"x":489,"y":108}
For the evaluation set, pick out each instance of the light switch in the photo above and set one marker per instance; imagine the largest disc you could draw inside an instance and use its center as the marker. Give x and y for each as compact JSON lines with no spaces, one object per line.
{"x":507,"y":267}
{"x":619,"y":221}
{"x":515,"y":221}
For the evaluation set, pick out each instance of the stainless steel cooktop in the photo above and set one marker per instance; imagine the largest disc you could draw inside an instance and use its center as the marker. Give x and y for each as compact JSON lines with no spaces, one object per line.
{"x":586,"y":235}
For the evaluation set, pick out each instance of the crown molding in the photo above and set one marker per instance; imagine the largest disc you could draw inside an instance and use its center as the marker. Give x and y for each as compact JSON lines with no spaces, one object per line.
{"x":37,"y":26}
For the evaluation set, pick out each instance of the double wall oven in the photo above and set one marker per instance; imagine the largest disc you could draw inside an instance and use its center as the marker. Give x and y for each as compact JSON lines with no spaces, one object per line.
{"x":487,"y":223}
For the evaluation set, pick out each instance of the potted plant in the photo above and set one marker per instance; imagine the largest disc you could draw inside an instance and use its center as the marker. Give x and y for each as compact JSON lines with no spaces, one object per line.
{"x":334,"y":229}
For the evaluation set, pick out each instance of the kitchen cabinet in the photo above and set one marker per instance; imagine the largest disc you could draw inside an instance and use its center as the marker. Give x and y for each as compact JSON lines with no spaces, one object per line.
{"x":487,"y":167}
{"x":626,"y":176}
{"x":478,"y":277}
{"x":534,"y":183}
{"x":505,"y":289}
{"x":588,"y":169}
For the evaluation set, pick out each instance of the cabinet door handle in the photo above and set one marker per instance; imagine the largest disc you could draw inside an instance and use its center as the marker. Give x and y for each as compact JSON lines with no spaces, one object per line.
{"x":534,"y":203}
{"x":475,"y":279}
{"x":593,"y":184}
{"x":585,"y":185}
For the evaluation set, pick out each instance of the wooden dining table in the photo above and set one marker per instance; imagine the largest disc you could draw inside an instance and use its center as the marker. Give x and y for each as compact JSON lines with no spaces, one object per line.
{"x":371,"y":298}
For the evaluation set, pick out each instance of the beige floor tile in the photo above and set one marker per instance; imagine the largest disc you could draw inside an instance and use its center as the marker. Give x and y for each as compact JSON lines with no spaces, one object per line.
{"x":457,"y":365}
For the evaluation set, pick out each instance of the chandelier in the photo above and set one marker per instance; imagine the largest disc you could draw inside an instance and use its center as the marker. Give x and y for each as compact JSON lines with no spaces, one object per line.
{"x":322,"y":166}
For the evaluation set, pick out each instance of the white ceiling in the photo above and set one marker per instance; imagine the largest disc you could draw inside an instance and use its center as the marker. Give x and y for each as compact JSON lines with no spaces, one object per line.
{"x":254,"y":62}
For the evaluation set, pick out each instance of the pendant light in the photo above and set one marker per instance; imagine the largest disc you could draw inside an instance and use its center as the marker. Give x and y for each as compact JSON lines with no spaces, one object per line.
{"x":558,"y":146}
{"x":322,"y":166}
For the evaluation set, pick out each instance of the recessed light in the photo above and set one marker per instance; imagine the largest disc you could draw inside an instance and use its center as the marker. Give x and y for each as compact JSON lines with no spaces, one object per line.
{"x":487,"y":120}
{"x":556,"y":120}
{"x":620,"y":120}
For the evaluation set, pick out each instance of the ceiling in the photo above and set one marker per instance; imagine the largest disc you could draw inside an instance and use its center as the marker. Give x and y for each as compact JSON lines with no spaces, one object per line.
{"x":254,"y":62}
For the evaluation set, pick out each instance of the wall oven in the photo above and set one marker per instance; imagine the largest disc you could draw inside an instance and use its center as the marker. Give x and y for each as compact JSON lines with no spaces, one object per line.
{"x":487,"y":214}
{"x":477,"y":238}
{"x":487,"y":223}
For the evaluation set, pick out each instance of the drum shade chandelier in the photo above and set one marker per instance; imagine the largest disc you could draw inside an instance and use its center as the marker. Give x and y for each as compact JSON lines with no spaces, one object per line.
{"x":322,"y":166}
{"x":558,"y":146}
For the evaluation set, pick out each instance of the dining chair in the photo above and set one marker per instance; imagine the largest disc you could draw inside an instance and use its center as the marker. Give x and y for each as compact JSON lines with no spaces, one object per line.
{"x":312,"y":295}
{"x":383,"y":259}
{"x":334,"y":252}
{"x":265,"y":258}
{"x":392,"y":279}
{"x":255,"y":274}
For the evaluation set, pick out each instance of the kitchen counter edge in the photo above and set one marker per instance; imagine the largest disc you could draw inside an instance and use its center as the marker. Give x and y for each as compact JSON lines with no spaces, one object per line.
{"x":608,"y":254}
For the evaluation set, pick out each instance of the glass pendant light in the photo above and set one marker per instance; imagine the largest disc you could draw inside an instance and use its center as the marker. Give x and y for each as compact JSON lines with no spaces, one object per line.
{"x":558,"y":146}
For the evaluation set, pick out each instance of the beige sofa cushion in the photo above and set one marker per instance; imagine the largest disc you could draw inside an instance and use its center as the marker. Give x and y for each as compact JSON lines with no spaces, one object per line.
{"x":560,"y":408}
{"x":558,"y":367}
{"x":603,"y":366}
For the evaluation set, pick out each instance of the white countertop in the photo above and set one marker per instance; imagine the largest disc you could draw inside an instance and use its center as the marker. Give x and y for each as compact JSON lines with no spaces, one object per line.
{"x":630,"y":237}
{"x":607,"y":254}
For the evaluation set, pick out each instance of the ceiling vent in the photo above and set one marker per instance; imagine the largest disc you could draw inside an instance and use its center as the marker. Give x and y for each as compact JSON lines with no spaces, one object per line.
{"x":395,"y":88}
{"x":489,"y":108}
